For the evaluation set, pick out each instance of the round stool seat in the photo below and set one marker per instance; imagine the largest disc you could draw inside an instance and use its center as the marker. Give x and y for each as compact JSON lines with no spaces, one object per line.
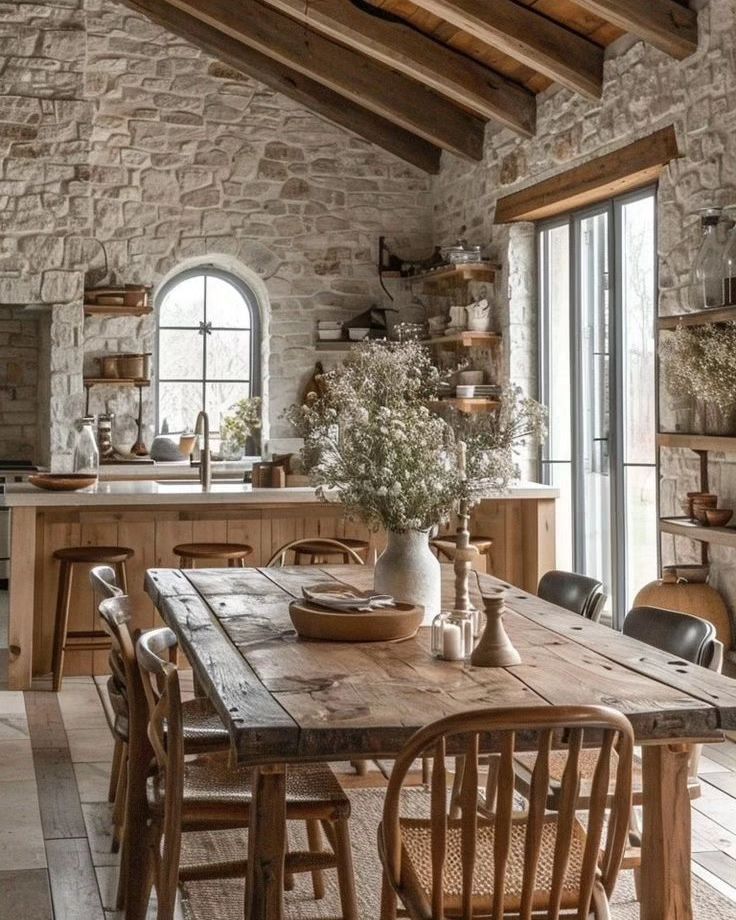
{"x":318,"y":548}
{"x":94,"y":555}
{"x":448,"y":546}
{"x":234,"y":553}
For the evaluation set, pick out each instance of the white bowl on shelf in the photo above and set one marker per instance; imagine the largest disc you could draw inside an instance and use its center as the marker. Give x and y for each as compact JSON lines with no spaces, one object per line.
{"x":358,"y":333}
{"x":329,"y":335}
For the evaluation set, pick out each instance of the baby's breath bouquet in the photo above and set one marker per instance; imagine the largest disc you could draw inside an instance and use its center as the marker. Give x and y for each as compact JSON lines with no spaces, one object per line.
{"x":373,"y":440}
{"x":700,"y":362}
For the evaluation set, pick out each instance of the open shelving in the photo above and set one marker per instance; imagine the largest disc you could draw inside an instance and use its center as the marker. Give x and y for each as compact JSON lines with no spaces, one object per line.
{"x":467,"y":339}
{"x":98,"y":309}
{"x":697,"y":442}
{"x":472,"y":404}
{"x":116,"y":381}
{"x":684,"y":527}
{"x":701,"y":318}
{"x":455,"y":274}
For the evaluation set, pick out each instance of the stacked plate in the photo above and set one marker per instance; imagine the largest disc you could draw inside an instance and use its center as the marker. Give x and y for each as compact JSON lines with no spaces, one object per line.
{"x":487,"y":390}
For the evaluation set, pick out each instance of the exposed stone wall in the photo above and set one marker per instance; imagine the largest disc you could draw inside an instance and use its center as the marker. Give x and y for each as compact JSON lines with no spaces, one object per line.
{"x":644,"y":90}
{"x":113,"y":130}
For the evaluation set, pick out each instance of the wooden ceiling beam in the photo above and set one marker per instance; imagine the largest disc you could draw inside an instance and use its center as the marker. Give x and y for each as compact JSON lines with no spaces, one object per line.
{"x":346,"y":72}
{"x":528,"y":37}
{"x":663,"y":23}
{"x":319,"y":99}
{"x":485,"y":92}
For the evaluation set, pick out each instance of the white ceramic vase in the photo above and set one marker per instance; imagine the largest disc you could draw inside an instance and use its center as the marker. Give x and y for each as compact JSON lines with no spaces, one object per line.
{"x":408,"y":571}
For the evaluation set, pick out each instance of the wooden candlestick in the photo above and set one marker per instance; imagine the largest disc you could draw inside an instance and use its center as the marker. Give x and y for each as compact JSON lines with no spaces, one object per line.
{"x":463,"y":562}
{"x":494,"y":650}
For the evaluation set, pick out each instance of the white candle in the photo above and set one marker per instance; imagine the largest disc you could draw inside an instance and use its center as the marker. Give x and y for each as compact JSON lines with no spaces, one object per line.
{"x":462,"y":450}
{"x":452,"y":642}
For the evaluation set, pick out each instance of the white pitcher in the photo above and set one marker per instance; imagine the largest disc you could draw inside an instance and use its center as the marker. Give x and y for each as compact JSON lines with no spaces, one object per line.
{"x":457,"y":318}
{"x":479,"y":316}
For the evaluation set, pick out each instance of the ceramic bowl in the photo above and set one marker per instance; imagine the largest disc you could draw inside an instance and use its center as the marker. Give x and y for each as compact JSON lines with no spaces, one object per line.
{"x":464,"y":392}
{"x":701,"y":505}
{"x":693,"y":574}
{"x":718,"y":517}
{"x":358,"y":333}
{"x":470,"y":378}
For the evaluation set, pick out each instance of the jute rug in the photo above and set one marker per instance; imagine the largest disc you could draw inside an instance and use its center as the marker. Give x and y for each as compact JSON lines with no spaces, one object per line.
{"x":223,"y":900}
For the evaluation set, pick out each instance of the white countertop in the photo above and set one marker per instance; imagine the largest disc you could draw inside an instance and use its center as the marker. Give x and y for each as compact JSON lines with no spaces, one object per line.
{"x":151,"y":492}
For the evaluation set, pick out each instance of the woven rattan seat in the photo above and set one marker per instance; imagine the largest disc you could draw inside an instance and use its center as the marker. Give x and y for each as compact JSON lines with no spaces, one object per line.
{"x":416,"y":835}
{"x":210,"y":783}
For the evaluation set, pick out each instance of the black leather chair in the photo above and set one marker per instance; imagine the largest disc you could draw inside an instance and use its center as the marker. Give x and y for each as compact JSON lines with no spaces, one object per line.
{"x":680,"y":634}
{"x":579,"y":593}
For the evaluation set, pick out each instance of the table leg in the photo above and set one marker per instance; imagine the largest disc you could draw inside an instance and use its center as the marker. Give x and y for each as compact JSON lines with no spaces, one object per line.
{"x":264,"y":890}
{"x":666,"y":834}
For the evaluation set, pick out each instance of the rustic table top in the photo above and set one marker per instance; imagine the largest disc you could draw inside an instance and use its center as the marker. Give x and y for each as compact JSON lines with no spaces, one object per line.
{"x":284,"y":698}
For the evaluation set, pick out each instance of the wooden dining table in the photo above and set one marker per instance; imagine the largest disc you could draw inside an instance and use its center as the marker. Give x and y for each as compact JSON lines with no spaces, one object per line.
{"x":286,"y":700}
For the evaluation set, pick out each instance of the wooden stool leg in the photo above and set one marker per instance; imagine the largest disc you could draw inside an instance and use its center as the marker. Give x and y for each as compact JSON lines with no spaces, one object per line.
{"x":118,"y":813}
{"x":360,"y":766}
{"x":314,"y":838}
{"x":122,"y":574}
{"x":61,"y":624}
{"x":345,"y":874}
{"x":388,"y":900}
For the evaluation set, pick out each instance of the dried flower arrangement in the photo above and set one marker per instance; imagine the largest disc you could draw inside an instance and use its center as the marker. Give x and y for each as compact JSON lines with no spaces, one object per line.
{"x":700,"y":362}
{"x":392,"y":461}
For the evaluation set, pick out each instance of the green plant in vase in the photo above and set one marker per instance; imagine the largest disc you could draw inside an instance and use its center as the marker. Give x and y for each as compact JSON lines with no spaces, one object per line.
{"x":240,"y":428}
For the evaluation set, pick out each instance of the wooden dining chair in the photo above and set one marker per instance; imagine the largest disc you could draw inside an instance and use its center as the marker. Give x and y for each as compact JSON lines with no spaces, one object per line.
{"x":522,"y":864}
{"x":680,"y":634}
{"x":577,"y":593}
{"x":203,"y":728}
{"x":207,"y":793}
{"x":318,"y":550}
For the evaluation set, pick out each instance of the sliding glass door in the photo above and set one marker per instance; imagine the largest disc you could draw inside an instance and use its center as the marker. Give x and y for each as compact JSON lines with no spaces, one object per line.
{"x":597,"y":369}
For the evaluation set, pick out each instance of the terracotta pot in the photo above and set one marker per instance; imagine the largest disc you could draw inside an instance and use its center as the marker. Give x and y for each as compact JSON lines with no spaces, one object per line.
{"x":701,"y":600}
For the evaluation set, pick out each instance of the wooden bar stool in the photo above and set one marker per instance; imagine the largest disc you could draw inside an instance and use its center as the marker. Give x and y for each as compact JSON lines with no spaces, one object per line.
{"x":235,"y":553}
{"x":319,"y":552}
{"x":84,"y":640}
{"x":445,"y":546}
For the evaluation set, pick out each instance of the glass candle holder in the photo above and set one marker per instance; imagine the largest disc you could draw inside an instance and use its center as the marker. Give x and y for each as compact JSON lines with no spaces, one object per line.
{"x":452,"y":636}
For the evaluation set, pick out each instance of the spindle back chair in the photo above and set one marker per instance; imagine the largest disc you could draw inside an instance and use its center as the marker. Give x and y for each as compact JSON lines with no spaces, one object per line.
{"x":506,"y":862}
{"x":329,"y":546}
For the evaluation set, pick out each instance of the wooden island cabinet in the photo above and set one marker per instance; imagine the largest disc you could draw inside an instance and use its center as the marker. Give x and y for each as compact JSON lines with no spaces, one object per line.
{"x":152,"y":517}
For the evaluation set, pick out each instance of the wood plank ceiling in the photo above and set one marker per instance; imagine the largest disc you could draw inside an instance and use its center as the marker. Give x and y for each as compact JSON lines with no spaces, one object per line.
{"x":421,"y":76}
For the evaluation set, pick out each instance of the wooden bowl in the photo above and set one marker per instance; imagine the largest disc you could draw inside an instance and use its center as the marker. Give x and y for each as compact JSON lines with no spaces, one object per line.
{"x":387,"y":625}
{"x":692,"y":573}
{"x":717,"y":517}
{"x":62,"y":482}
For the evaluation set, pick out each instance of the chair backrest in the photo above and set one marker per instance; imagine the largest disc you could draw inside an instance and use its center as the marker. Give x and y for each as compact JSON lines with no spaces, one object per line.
{"x":165,"y":721}
{"x":680,"y":634}
{"x":539,"y":843}
{"x":330,"y":547}
{"x":579,"y":593}
{"x":104,"y":582}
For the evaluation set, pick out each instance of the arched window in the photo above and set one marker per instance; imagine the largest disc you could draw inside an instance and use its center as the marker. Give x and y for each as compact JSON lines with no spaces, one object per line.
{"x":208,"y":348}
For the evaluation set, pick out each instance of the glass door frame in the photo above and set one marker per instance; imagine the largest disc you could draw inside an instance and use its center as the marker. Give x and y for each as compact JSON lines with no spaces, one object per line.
{"x":573,"y":220}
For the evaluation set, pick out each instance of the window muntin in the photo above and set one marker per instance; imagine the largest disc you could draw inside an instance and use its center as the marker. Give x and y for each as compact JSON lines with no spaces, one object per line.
{"x":208,"y":342}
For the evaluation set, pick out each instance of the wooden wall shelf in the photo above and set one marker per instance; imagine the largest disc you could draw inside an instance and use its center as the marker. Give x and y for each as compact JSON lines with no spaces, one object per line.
{"x":720,"y":443}
{"x":682,"y":527}
{"x":116,"y":381}
{"x":456,"y":274}
{"x":474,"y":404}
{"x":467,"y":339}
{"x":96,"y":309}
{"x":701,"y":318}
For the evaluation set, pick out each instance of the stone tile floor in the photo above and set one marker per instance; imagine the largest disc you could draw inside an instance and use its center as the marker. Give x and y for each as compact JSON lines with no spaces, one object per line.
{"x":55,"y":856}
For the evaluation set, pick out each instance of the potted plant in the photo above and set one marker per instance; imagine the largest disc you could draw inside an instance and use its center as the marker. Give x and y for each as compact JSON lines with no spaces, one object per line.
{"x":372,"y":442}
{"x":239,"y":430}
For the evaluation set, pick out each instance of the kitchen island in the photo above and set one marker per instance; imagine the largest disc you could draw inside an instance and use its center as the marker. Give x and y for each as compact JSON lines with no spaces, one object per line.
{"x":151,"y":517}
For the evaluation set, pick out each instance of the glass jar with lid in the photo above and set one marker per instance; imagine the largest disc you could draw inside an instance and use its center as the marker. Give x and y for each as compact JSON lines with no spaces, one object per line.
{"x":86,"y":455}
{"x":707,"y":273}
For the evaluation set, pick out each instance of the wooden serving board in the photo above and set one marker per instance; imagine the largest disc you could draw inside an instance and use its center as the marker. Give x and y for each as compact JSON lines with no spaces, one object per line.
{"x":388,"y":624}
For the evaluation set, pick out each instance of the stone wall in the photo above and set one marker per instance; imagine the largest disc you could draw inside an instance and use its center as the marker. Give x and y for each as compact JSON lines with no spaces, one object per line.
{"x":644,"y":90}
{"x":113,"y":130}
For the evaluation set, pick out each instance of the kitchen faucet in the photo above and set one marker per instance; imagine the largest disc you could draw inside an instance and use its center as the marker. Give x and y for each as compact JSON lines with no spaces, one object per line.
{"x":202,"y":426}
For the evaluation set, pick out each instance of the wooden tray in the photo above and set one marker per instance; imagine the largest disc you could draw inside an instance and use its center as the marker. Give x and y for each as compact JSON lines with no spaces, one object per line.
{"x":62,"y":482}
{"x":386,"y":625}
